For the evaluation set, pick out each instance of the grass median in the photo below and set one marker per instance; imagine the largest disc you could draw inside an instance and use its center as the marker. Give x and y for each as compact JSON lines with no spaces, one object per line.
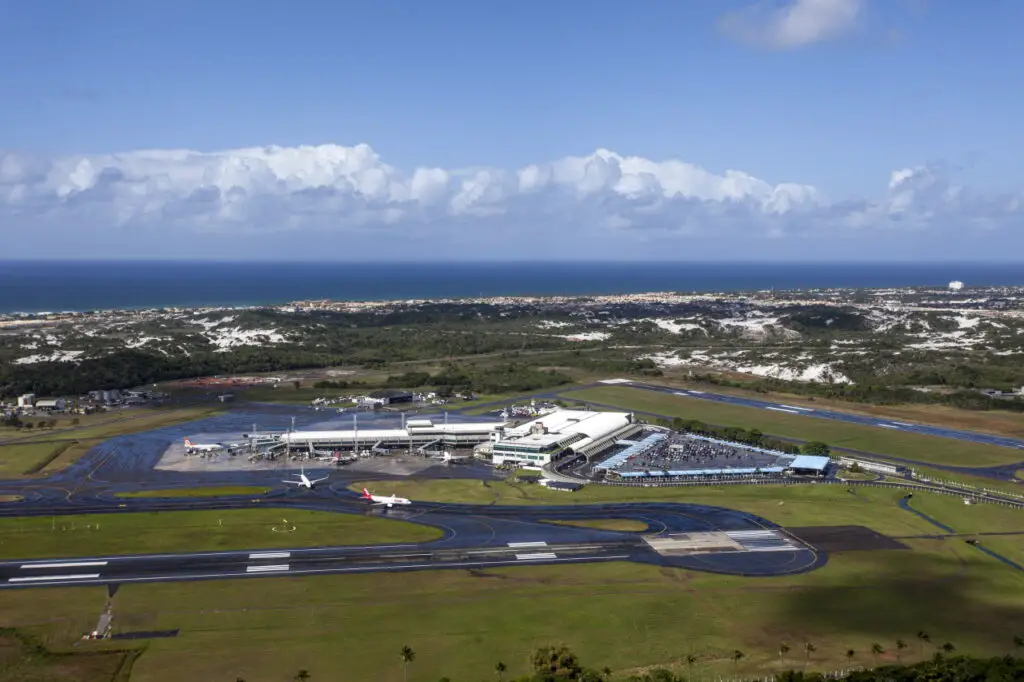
{"x":195,"y":531}
{"x":892,"y":442}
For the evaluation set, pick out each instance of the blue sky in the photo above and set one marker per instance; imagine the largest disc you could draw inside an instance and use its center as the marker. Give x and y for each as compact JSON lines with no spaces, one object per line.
{"x":816,"y":108}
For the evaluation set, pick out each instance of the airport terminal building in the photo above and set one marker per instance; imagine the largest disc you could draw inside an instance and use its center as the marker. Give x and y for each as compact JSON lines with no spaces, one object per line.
{"x":417,"y":433}
{"x":561,"y":433}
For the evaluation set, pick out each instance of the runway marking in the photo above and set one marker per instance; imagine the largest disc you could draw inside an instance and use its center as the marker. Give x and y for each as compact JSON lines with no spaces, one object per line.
{"x":682,"y":393}
{"x":38,"y":578}
{"x":66,"y":564}
{"x":781,"y":409}
{"x":527,"y":544}
{"x":902,"y":424}
{"x":888,"y":426}
{"x":536,"y":556}
{"x":696,"y":392}
{"x":270,"y":555}
{"x":801,"y":409}
{"x":355,"y":569}
{"x":266,"y":569}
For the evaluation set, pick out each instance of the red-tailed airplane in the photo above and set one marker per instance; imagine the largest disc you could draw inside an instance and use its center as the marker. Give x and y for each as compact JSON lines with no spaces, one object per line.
{"x":382,"y":499}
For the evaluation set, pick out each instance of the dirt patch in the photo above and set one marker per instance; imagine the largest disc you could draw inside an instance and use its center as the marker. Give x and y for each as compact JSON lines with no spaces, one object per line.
{"x":845,"y":539}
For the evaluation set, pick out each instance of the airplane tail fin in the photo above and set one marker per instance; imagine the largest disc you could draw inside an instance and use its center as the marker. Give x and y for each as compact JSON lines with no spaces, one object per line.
{"x":366,"y":494}
{"x":188,"y":443}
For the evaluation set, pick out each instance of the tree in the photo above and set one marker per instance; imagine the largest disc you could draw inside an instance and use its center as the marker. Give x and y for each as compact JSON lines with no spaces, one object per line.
{"x":690,"y":660}
{"x":408,"y":656}
{"x":557,"y":662}
{"x":948,"y":648}
{"x":500,"y":668}
{"x":808,"y":650}
{"x":1018,"y":641}
{"x":302,"y":675}
{"x":923,"y":637}
{"x":815,"y":447}
{"x":876,"y":649}
{"x":297,"y":384}
{"x":850,"y":653}
{"x":737,"y":656}
{"x":76,"y":421}
{"x":783,"y":650}
{"x":900,"y":646}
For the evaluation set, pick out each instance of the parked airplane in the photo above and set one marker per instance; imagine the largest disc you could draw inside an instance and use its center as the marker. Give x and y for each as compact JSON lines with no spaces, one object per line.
{"x":313,"y":452}
{"x":202,"y":447}
{"x":382,"y":499}
{"x":304,"y":481}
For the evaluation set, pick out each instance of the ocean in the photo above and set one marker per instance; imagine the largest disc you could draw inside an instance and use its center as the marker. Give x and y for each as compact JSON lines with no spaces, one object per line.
{"x":80,"y":286}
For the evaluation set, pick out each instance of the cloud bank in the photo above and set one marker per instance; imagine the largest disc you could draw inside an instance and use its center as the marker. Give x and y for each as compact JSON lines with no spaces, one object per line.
{"x":351,"y":191}
{"x":794,"y":24}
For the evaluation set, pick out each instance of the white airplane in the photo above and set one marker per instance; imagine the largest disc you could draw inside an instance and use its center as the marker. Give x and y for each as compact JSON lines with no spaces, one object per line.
{"x":202,"y":447}
{"x":382,"y":499}
{"x":304,"y":481}
{"x":313,"y":452}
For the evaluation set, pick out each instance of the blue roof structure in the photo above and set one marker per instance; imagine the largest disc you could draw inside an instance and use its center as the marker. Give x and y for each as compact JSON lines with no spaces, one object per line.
{"x":618,"y":459}
{"x":810,"y":462}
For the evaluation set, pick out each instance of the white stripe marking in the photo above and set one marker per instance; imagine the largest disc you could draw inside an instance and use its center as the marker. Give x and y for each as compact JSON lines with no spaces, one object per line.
{"x":266,"y":569}
{"x":536,"y":556}
{"x":270,"y":555}
{"x":781,"y":409}
{"x":696,"y":392}
{"x":38,"y":578}
{"x":794,"y":407}
{"x":361,"y":569}
{"x":527,"y":544}
{"x":66,"y":564}
{"x":889,"y":426}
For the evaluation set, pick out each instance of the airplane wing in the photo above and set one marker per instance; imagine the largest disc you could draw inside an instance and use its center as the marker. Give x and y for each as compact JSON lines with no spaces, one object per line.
{"x":317,"y":480}
{"x":293,"y":482}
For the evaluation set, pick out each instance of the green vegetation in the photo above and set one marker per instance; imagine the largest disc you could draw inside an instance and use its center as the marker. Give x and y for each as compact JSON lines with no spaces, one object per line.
{"x":624,"y":525}
{"x":837,"y":434}
{"x":180,"y":531}
{"x":23,"y":658}
{"x":628,"y":617}
{"x":22,"y":459}
{"x":199,"y":492}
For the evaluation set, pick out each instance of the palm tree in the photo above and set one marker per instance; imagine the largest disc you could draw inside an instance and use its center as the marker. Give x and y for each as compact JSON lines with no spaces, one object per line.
{"x":850,"y":653}
{"x":408,"y":656}
{"x":783,"y":650}
{"x":948,"y":648}
{"x":809,"y":649}
{"x":302,"y":675}
{"x":876,"y":649}
{"x":900,"y":646}
{"x":923,"y":637}
{"x":606,"y":672}
{"x":737,"y":656}
{"x":1018,"y":641}
{"x":500,"y":668}
{"x":690,"y":660}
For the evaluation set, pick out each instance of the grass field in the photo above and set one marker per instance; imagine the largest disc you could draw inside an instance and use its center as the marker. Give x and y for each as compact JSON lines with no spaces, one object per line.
{"x":151,"y":532}
{"x":199,"y":492}
{"x":987,"y":421}
{"x":838,"y":434}
{"x":625,"y":616}
{"x":25,"y":454}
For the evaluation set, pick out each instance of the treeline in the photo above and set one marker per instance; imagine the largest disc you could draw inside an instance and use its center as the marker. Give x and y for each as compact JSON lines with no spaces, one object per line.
{"x":500,"y":378}
{"x":871,"y":394}
{"x":137,"y":368}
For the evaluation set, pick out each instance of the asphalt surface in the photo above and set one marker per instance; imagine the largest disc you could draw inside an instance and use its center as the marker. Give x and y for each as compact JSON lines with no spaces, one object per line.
{"x":1003,"y":472}
{"x":474,"y":536}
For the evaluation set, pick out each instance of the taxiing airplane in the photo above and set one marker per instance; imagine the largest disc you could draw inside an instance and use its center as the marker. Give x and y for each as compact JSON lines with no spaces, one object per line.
{"x":304,"y":481}
{"x":382,"y":499}
{"x":202,"y":447}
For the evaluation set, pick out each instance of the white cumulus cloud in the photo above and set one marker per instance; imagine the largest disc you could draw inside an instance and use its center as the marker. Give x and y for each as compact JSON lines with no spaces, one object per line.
{"x":341,"y":190}
{"x":793,"y":24}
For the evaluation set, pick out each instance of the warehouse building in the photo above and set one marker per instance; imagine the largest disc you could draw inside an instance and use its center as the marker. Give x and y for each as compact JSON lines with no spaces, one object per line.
{"x":562,"y":433}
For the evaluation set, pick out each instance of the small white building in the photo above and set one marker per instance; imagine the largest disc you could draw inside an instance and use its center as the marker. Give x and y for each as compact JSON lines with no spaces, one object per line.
{"x":27,"y":400}
{"x":52,"y":404}
{"x":956,"y":285}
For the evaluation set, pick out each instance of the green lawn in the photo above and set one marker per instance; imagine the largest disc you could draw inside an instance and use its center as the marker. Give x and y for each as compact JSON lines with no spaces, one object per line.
{"x":18,"y":458}
{"x":624,"y":525}
{"x":149,"y":532}
{"x":838,"y":434}
{"x":199,"y":492}
{"x":625,"y":616}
